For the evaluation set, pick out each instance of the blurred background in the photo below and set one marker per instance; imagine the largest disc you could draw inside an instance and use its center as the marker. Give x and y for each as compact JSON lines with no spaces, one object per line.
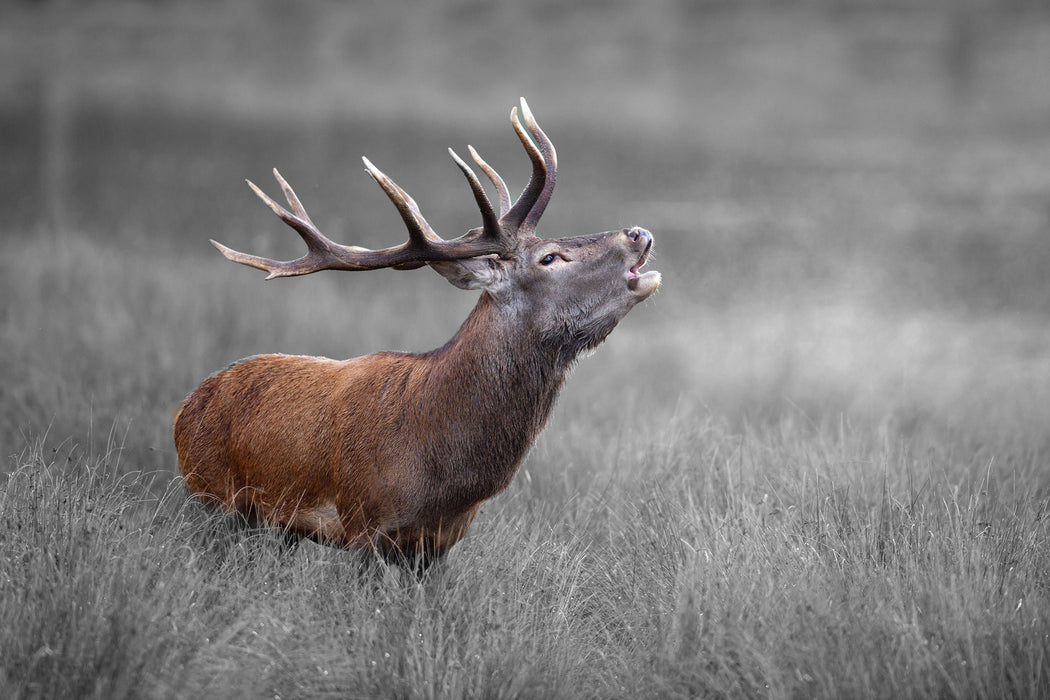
{"x":850,"y":198}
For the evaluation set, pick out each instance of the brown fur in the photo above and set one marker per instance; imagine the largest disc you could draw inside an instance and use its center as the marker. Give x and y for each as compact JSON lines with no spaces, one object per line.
{"x":405,"y":447}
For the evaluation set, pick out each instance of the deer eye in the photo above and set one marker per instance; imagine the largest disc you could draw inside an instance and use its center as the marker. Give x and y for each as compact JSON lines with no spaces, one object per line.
{"x":548,"y":258}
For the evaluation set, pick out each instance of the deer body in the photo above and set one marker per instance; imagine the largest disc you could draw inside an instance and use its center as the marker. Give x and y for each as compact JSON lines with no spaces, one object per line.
{"x":396,"y":451}
{"x":414,"y":442}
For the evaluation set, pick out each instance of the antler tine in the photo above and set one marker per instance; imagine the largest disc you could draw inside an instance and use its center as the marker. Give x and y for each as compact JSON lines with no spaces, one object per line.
{"x":497,"y":181}
{"x":298,"y":220}
{"x":515,"y":218}
{"x":271,"y":266}
{"x":419,"y":231}
{"x":519,"y":217}
{"x":289,"y":194}
{"x":490,"y":222}
{"x":319,"y":248}
{"x":550,"y":158}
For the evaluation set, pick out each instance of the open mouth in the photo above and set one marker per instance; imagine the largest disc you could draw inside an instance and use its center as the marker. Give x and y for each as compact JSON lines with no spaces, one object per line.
{"x":641,"y":261}
{"x":643,"y":282}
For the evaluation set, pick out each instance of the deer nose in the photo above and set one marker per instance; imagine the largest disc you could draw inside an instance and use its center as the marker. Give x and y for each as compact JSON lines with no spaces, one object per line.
{"x":636,"y":233}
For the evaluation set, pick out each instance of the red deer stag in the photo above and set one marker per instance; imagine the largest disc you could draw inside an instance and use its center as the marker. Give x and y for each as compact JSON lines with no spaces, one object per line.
{"x":394,"y":451}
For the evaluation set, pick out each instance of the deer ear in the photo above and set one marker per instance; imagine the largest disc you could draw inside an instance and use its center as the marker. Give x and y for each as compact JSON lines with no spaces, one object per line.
{"x":472,"y":273}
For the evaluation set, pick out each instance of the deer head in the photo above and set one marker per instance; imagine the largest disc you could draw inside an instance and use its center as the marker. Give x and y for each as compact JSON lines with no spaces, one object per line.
{"x":397,"y":451}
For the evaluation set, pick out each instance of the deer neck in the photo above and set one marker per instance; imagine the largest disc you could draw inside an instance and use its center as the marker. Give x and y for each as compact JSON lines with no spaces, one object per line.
{"x":503,"y":366}
{"x":498,"y":383}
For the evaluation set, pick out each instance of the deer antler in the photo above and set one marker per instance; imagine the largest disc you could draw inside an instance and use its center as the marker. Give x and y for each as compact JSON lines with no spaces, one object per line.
{"x":497,"y":236}
{"x":423,"y":244}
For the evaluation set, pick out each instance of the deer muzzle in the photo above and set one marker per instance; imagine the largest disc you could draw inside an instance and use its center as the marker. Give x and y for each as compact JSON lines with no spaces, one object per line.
{"x":641,"y":283}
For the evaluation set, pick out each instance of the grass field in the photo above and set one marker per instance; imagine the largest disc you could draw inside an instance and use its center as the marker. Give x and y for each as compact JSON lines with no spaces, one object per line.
{"x":815,"y":464}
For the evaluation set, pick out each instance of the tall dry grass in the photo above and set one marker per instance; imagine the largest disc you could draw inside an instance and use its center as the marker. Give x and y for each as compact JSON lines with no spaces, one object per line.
{"x":823,"y":532}
{"x":790,"y":559}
